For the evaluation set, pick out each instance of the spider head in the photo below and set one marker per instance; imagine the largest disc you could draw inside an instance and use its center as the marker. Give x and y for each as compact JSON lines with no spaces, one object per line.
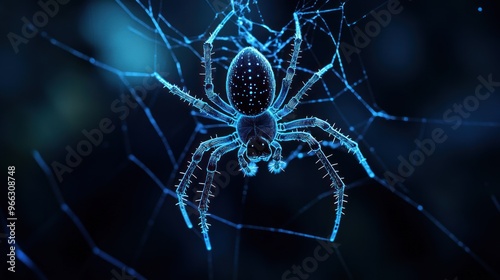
{"x":258,"y":149}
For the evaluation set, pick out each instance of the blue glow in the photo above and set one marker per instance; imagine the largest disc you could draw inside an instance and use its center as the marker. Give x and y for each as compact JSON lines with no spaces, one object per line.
{"x":102,"y":26}
{"x":331,"y":83}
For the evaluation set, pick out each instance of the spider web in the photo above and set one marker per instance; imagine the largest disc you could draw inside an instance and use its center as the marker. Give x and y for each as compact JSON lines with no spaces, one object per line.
{"x":114,"y":216}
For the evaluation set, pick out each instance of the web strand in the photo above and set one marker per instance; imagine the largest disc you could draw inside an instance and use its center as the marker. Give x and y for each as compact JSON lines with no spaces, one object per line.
{"x":154,"y":26}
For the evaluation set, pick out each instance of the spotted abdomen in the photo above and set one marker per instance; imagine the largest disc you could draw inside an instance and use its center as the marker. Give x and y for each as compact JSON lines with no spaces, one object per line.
{"x":250,"y":83}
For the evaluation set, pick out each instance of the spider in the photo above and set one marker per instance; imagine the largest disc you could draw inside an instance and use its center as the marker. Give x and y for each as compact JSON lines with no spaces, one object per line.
{"x":255,"y":114}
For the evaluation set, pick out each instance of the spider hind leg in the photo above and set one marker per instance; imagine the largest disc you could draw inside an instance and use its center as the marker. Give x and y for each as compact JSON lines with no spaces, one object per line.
{"x":331,"y":172}
{"x":186,"y":178}
{"x":206,"y":193}
{"x":345,"y":141}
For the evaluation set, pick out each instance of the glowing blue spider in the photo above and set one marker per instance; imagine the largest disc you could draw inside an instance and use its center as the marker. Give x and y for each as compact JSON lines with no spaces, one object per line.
{"x":255,"y":115}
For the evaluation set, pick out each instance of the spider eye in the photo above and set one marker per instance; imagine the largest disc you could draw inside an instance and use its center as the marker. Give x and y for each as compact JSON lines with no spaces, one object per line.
{"x":258,"y":149}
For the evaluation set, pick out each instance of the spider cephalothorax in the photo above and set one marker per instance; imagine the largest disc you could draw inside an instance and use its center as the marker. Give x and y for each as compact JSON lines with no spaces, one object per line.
{"x":255,"y":114}
{"x":257,"y":132}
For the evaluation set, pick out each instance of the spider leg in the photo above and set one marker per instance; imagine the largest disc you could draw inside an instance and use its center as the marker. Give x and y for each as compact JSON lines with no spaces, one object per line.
{"x":201,"y":105}
{"x":209,"y":86}
{"x":249,"y":168}
{"x":290,"y":71}
{"x":351,"y":145}
{"x":206,"y":193}
{"x":294,"y":101}
{"x":336,"y":180}
{"x":195,"y":159}
{"x":276,"y":165}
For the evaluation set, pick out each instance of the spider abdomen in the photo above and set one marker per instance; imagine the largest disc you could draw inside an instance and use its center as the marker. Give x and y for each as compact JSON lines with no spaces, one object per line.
{"x":250,"y":82}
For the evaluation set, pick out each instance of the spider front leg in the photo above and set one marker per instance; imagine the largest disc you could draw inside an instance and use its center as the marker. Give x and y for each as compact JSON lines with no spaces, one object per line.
{"x":201,"y":105}
{"x":290,"y":71}
{"x":336,"y":180}
{"x":206,"y":193}
{"x":195,"y":159}
{"x":294,"y":101}
{"x":209,"y":87}
{"x":351,"y":145}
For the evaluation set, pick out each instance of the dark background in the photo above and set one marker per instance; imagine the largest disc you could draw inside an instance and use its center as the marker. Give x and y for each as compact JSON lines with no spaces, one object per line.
{"x":427,"y":59}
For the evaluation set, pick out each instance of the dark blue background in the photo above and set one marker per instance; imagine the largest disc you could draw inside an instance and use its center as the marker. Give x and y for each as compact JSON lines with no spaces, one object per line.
{"x":427,"y":59}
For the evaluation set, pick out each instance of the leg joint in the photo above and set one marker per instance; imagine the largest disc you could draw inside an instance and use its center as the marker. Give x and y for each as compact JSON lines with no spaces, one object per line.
{"x":209,"y":87}
{"x":314,"y":144}
{"x":197,"y":156}
{"x":207,"y":47}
